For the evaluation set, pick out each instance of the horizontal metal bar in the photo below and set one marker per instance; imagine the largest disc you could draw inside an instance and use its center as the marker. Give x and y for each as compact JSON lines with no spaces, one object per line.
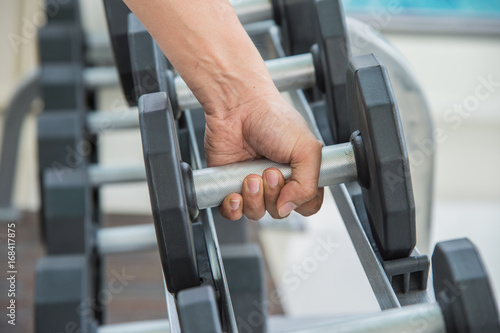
{"x":250,"y":11}
{"x":212,"y":185}
{"x":150,"y":326}
{"x":422,"y":318}
{"x":100,"y":77}
{"x":106,"y":121}
{"x":98,"y":40}
{"x":100,"y":174}
{"x":126,"y":239}
{"x":98,"y":49}
{"x":289,"y":73}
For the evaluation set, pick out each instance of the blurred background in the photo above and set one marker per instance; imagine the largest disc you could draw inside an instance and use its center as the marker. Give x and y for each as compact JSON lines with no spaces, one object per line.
{"x":453,"y":48}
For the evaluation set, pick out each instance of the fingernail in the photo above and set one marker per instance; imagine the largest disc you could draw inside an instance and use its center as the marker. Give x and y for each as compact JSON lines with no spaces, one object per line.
{"x":235,"y":204}
{"x":272,"y":178}
{"x":287,"y":209}
{"x":253,"y":185}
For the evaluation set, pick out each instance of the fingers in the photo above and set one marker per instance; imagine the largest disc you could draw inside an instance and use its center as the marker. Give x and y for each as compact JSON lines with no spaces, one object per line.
{"x":250,"y":202}
{"x":257,"y":194}
{"x":270,"y":192}
{"x":232,"y":207}
{"x":273,"y":182}
{"x":252,"y":191}
{"x":303,"y":185}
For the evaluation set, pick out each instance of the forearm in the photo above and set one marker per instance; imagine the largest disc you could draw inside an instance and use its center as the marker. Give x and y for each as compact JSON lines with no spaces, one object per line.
{"x":209,"y":48}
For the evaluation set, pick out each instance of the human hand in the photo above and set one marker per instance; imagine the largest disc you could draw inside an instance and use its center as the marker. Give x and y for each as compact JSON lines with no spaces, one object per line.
{"x":266,"y":126}
{"x":246,"y":116}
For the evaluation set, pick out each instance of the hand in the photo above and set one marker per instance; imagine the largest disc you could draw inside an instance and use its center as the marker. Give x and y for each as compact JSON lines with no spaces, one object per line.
{"x":266,"y":127}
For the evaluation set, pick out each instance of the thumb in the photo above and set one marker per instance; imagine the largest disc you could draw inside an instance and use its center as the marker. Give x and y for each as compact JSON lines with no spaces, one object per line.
{"x":302,"y":186}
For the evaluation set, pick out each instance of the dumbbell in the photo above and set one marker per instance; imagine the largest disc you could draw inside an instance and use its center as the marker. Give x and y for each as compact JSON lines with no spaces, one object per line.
{"x":465,"y":302}
{"x":64,"y":77}
{"x":375,"y":156}
{"x":63,"y":42}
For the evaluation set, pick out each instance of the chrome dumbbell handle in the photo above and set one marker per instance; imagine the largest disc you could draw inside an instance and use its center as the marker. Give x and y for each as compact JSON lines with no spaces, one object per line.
{"x":250,"y":11}
{"x":212,"y":185}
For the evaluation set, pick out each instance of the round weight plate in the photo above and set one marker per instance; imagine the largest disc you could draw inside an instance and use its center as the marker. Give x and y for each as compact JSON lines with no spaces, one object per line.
{"x":387,"y":191}
{"x":167,"y":192}
{"x":463,"y":289}
{"x":334,"y":54}
{"x":116,"y":16}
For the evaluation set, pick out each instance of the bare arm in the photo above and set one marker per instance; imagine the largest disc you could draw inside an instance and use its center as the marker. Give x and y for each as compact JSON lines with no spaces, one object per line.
{"x":206,"y":44}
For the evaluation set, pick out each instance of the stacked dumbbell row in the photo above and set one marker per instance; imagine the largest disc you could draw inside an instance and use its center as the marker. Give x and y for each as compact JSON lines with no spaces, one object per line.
{"x":69,"y":207}
{"x":345,"y":162}
{"x":68,"y":90}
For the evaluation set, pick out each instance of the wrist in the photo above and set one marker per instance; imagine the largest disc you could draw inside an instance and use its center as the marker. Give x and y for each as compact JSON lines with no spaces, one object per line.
{"x":226,"y":88}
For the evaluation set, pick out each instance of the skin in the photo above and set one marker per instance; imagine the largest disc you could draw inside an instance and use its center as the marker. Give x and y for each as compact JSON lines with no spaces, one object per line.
{"x":246,"y":116}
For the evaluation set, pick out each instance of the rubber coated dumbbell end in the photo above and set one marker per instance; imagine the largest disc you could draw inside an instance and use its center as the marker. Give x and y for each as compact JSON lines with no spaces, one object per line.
{"x":360,"y":156}
{"x":192,"y":204}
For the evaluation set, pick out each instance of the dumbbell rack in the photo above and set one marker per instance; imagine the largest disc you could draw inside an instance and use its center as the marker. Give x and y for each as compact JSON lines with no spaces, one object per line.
{"x":184,"y":310}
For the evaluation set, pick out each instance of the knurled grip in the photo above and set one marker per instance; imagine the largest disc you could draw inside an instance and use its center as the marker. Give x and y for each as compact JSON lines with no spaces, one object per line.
{"x":212,"y":185}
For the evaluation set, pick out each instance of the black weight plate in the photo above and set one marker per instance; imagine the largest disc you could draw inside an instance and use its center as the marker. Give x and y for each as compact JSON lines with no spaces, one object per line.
{"x":62,"y":87}
{"x":463,"y":289}
{"x":387,"y":191}
{"x":167,"y":192}
{"x":149,"y":64}
{"x":334,"y":54}
{"x":67,"y":11}
{"x":116,"y":16}
{"x":60,"y":42}
{"x":62,"y":286}
{"x":295,"y":18}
